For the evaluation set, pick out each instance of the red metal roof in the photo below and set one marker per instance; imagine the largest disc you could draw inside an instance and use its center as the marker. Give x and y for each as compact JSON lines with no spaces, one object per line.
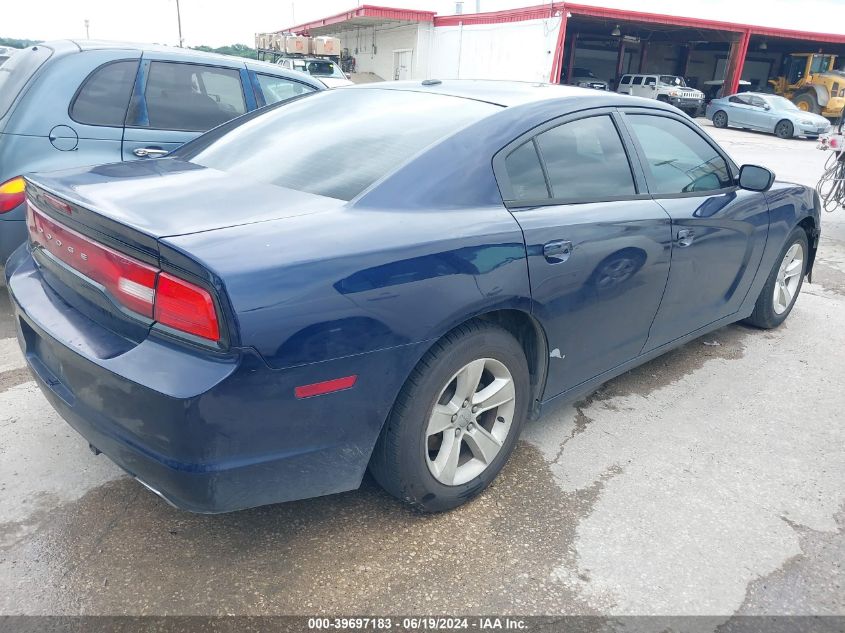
{"x":365,"y":11}
{"x":558,"y":8}
{"x":623,"y":15}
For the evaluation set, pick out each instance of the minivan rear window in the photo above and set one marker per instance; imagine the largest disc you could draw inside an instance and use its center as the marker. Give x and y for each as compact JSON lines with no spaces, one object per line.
{"x":335,"y":143}
{"x":17,"y":71}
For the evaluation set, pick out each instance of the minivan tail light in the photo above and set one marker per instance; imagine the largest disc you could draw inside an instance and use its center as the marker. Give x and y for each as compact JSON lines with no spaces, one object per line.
{"x":139,"y":287}
{"x":186,"y":307}
{"x":12,"y":194}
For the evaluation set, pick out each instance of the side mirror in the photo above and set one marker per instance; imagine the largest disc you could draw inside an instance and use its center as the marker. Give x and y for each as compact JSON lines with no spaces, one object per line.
{"x":766,"y":106}
{"x":756,"y":178}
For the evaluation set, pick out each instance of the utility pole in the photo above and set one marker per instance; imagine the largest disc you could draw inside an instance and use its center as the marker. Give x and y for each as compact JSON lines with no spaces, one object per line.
{"x":87,"y":36}
{"x":179,"y":21}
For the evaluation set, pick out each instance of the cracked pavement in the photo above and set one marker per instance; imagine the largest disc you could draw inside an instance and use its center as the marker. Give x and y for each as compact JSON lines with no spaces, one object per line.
{"x":708,"y":481}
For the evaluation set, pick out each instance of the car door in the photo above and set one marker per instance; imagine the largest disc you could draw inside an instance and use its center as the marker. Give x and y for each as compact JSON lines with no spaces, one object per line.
{"x":598,"y":247}
{"x":649,"y":87}
{"x":637,"y":86}
{"x":764,"y":118}
{"x":175,"y":101}
{"x":740,"y":112}
{"x":719,"y":231}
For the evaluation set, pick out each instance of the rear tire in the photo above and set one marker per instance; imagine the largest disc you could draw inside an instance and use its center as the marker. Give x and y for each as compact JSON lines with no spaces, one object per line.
{"x":786,"y":278}
{"x":807,"y":102}
{"x":439,"y":470}
{"x":720,"y":119}
{"x":784,"y":129}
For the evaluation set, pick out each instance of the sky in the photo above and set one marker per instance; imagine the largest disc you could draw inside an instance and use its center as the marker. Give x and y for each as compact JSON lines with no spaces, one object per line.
{"x":219,"y":22}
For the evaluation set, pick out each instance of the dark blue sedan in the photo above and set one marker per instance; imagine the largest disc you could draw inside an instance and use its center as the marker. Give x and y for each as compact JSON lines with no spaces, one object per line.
{"x":392,"y":276}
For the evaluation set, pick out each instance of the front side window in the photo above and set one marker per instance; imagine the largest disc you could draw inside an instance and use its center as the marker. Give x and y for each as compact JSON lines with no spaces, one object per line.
{"x":679,"y":160}
{"x":738,"y":99}
{"x":651,"y":81}
{"x":638,"y":81}
{"x":192,"y":97}
{"x":585,"y":160}
{"x":104,"y":95}
{"x":277,"y":89}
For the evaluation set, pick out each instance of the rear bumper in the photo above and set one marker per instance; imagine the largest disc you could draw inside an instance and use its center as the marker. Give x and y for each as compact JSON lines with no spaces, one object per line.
{"x":209,"y":433}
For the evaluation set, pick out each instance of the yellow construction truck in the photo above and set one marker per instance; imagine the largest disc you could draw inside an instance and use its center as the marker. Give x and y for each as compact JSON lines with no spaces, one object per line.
{"x":811,"y":81}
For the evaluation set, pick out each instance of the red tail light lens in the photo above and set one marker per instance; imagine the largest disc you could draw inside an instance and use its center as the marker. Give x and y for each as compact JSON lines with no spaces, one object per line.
{"x":129,"y":281}
{"x":12,"y":194}
{"x":141,"y":288}
{"x":185,"y":307}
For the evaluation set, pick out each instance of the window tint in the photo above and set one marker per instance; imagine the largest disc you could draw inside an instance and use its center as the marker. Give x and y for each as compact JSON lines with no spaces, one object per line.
{"x":192,"y":97}
{"x":585,"y":160}
{"x":738,"y":99}
{"x":277,"y":89}
{"x":335,"y":143}
{"x":525,"y":173}
{"x":651,"y":81}
{"x":679,"y":159}
{"x":626,"y":79}
{"x":638,"y":81}
{"x":16,"y":72}
{"x":104,"y":96}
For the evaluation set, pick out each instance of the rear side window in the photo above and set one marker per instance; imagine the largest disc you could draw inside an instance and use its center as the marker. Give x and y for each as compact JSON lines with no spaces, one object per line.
{"x":335,"y":143}
{"x":104,"y":96}
{"x":16,"y":72}
{"x":585,"y":160}
{"x":638,"y":81}
{"x":277,"y":89}
{"x":737,"y":99}
{"x":192,"y":97}
{"x":525,"y":173}
{"x":680,"y":161}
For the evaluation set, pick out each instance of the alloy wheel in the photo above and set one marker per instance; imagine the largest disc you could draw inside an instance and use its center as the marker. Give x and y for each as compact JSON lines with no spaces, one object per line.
{"x":788,"y":279}
{"x":470,"y":421}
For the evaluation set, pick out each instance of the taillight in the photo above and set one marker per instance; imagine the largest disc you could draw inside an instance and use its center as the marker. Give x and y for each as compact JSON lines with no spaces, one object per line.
{"x":137,"y":286}
{"x":12,"y":194}
{"x":185,"y":307}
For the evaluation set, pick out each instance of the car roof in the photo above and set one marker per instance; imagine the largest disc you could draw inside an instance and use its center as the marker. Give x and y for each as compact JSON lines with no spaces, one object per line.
{"x":505,"y":93}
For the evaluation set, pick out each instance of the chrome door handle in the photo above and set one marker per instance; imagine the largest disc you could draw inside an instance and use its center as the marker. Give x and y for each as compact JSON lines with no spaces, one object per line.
{"x":149,"y":152}
{"x":685,"y":237}
{"x":557,"y":251}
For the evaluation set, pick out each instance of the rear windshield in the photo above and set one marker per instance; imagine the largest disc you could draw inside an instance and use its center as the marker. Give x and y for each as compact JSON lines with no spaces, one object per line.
{"x":335,"y":143}
{"x":17,"y":71}
{"x":320,"y":68}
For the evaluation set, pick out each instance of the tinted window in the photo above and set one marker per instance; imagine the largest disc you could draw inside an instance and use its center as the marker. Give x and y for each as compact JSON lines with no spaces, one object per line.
{"x":336,"y":142}
{"x":736,"y":99}
{"x":638,"y":81}
{"x":104,"y":96}
{"x":585,"y":160}
{"x":626,"y":79}
{"x":525,"y":173}
{"x":679,"y":159}
{"x":651,"y":81}
{"x":192,"y":97}
{"x":277,"y":89}
{"x":17,"y":71}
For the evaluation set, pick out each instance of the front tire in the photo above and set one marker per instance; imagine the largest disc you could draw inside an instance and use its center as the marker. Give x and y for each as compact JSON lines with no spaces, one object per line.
{"x":784,"y":129}
{"x":456,"y":419}
{"x":720,"y":119}
{"x":784,"y":283}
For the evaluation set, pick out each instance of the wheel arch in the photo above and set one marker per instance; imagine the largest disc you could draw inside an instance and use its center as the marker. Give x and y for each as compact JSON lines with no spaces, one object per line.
{"x":808,"y":223}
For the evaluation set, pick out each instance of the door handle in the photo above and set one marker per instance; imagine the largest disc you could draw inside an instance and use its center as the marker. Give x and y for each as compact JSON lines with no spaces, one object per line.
{"x":558,"y":251}
{"x":149,"y":152}
{"x":685,"y":237}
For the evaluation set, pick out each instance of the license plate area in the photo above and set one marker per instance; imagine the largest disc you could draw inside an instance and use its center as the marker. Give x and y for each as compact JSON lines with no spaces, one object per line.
{"x":44,"y":362}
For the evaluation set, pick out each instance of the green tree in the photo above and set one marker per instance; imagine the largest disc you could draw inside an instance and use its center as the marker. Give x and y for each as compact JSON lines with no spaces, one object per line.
{"x":237,"y":50}
{"x":16,"y":43}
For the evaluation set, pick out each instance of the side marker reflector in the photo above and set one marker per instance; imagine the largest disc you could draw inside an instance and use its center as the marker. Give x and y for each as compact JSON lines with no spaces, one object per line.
{"x":329,"y":386}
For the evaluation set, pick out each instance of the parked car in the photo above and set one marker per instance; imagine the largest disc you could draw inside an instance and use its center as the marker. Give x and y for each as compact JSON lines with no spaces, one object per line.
{"x":585,"y":78}
{"x":393,"y":276}
{"x":667,"y":88}
{"x":324,"y":69}
{"x":766,"y":113}
{"x":69,"y":103}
